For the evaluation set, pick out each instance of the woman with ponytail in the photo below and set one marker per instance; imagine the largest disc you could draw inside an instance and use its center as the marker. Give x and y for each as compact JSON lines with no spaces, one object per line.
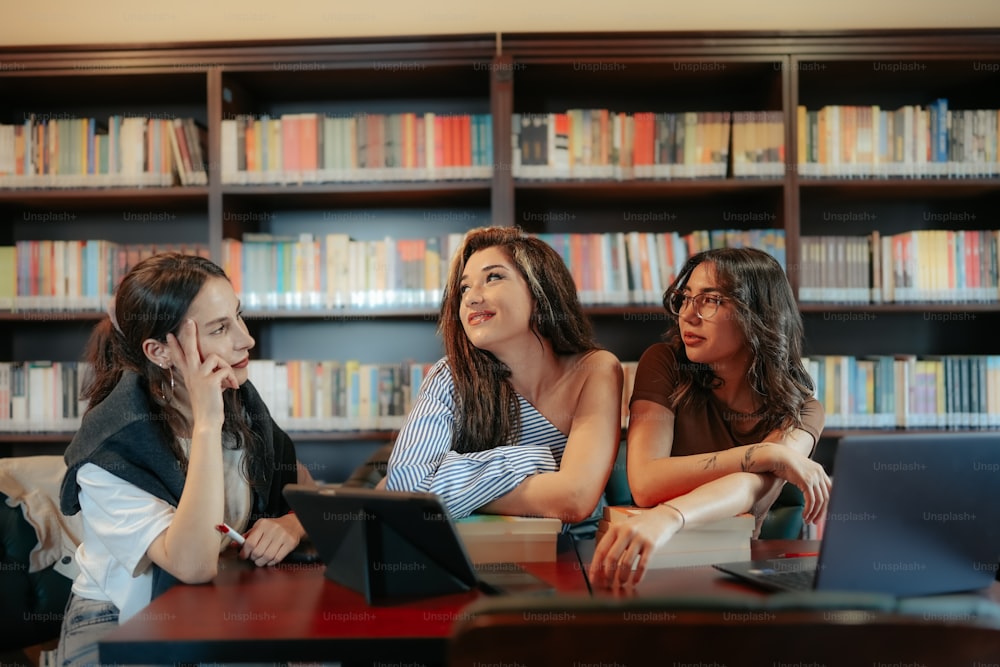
{"x":175,"y":441}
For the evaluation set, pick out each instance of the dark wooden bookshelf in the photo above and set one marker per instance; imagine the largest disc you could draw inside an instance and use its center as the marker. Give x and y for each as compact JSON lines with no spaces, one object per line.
{"x":311,"y":436}
{"x":14,"y":316}
{"x":84,"y":198}
{"x":610,"y":190}
{"x":930,"y":307}
{"x":903,"y":187}
{"x":422,"y":194}
{"x":504,"y":74}
{"x":260,"y":316}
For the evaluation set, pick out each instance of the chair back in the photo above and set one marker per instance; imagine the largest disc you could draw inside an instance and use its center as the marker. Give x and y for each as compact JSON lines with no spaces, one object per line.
{"x":822,"y":629}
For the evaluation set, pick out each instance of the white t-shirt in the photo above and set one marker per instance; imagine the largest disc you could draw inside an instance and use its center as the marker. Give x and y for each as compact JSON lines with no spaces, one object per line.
{"x":120,"y":521}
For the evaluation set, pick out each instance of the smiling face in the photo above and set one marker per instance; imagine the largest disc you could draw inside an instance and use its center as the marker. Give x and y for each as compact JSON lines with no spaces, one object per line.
{"x":718,"y":341}
{"x":496,"y":304}
{"x":221,"y":330}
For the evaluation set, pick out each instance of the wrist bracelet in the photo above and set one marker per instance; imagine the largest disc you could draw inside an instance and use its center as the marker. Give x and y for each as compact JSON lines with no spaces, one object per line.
{"x":683,"y":519}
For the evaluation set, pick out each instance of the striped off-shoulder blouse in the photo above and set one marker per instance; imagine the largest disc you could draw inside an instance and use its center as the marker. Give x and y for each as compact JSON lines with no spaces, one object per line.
{"x":422,"y":458}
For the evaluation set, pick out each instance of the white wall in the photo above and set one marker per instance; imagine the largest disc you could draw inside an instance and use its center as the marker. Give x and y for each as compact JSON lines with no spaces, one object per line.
{"x":42,"y":22}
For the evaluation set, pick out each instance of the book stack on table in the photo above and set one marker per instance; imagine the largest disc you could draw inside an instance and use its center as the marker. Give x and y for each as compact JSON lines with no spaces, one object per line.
{"x":721,"y":541}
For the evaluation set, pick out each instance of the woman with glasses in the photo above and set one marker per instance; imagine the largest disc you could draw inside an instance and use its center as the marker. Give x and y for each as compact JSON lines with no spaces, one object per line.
{"x":722,"y":413}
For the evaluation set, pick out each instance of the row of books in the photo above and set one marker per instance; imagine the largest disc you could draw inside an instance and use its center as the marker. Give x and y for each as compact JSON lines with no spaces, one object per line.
{"x":501,"y":538}
{"x":604,"y":144}
{"x":895,"y":391}
{"x":888,"y":391}
{"x":490,"y":538}
{"x":833,"y":141}
{"x":126,"y":151}
{"x":843,"y":141}
{"x":316,"y":148}
{"x":72,"y":275}
{"x":44,"y":396}
{"x":907,"y":391}
{"x":949,"y":266}
{"x":335,"y":271}
{"x":720,"y":541}
{"x":302,"y":395}
{"x":334,"y":395}
{"x":868,"y":392}
{"x":620,"y":268}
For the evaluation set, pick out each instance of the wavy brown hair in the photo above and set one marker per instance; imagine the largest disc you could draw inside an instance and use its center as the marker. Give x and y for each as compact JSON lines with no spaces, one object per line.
{"x":150,"y":302}
{"x":487,"y":404}
{"x":767,"y":314}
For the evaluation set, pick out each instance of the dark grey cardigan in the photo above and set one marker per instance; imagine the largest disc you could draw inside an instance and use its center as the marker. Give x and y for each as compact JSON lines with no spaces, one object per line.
{"x":120,"y":436}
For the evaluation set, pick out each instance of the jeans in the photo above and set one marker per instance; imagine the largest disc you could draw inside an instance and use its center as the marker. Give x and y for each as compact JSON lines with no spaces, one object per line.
{"x":85,"y":622}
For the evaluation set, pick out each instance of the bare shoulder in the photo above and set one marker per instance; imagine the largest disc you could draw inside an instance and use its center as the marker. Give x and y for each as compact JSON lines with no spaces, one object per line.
{"x":598,"y":364}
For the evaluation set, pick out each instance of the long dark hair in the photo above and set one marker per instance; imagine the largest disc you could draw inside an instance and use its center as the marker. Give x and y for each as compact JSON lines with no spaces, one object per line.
{"x":150,"y":302}
{"x":487,"y":403}
{"x":769,"y":318}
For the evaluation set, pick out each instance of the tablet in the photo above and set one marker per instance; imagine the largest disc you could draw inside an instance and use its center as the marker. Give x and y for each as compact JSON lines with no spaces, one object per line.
{"x":389,"y":545}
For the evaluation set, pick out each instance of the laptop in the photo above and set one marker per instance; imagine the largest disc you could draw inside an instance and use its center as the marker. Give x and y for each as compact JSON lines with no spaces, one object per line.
{"x":391,"y":545}
{"x":909,"y":514}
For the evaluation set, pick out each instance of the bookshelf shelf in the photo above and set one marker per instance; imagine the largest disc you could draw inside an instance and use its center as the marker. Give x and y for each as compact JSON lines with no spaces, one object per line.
{"x":347,"y":314}
{"x":947,"y":185}
{"x":431,"y":314}
{"x":370,"y":195}
{"x":673,"y":188}
{"x":51,"y":315}
{"x":344,"y":436}
{"x":95,"y":198}
{"x":911,"y":308}
{"x":504,"y":76}
{"x":311,"y":436}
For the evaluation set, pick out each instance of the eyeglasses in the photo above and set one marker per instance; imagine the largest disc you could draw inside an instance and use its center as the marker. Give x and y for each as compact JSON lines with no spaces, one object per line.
{"x":706,"y":304}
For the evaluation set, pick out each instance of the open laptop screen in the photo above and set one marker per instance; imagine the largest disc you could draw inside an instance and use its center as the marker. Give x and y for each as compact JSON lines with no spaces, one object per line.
{"x":913,"y":514}
{"x":910,"y":514}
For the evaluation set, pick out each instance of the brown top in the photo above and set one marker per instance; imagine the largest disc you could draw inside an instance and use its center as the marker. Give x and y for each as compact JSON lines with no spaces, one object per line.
{"x":711,"y":427}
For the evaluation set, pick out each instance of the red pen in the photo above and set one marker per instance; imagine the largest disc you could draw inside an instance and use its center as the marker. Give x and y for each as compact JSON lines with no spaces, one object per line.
{"x":802,"y":554}
{"x":231,"y":533}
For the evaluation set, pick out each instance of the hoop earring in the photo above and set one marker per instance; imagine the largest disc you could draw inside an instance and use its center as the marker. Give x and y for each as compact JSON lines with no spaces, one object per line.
{"x":166,"y":398}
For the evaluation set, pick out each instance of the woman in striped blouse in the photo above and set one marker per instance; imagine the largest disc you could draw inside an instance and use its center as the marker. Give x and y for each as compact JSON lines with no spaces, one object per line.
{"x":522,"y":415}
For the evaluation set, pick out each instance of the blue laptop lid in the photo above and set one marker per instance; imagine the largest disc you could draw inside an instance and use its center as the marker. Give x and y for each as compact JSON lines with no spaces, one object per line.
{"x":913,"y":514}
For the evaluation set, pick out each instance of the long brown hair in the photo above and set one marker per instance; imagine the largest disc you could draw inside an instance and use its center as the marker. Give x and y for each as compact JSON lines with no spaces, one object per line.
{"x":487,"y":403}
{"x":767,"y":314}
{"x":150,"y":302}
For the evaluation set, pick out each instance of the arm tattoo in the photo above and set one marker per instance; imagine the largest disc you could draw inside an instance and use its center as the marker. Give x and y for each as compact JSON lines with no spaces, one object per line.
{"x":711,"y":462}
{"x":748,"y":463}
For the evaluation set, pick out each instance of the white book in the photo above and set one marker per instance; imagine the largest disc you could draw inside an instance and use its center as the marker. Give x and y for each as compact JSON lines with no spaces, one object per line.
{"x":356,"y":280}
{"x":18,"y":397}
{"x":338,"y":270}
{"x":228,"y":165}
{"x":5,"y":417}
{"x":656,"y":288}
{"x":39,"y":387}
{"x":280,"y":409}
{"x":8,"y":162}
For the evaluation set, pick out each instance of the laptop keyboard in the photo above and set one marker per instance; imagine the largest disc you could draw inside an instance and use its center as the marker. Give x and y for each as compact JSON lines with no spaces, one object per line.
{"x":796,"y":580}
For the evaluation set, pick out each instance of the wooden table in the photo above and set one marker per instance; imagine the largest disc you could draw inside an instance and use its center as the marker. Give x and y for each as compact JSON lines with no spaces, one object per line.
{"x":293,"y":613}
